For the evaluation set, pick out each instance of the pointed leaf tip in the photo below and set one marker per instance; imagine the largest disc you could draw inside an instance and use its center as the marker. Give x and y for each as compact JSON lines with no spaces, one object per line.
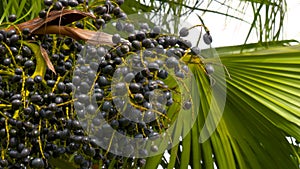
{"x":47,"y":60}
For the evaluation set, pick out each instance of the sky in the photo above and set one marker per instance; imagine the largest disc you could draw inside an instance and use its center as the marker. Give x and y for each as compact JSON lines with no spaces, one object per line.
{"x":293,"y":28}
{"x":229,"y":31}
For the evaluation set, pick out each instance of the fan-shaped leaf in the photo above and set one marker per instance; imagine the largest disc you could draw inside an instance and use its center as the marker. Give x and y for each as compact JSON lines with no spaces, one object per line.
{"x":261,"y":110}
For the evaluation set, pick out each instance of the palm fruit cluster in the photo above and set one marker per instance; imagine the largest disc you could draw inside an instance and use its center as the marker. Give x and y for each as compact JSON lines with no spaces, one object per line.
{"x":46,"y":113}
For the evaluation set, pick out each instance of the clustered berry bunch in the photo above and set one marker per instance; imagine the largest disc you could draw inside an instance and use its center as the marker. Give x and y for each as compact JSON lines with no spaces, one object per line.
{"x":44,"y":113}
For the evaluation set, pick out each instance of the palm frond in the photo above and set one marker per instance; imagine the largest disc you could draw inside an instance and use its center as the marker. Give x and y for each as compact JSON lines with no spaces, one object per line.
{"x":23,"y":9}
{"x":269,"y":78}
{"x":262,"y":109}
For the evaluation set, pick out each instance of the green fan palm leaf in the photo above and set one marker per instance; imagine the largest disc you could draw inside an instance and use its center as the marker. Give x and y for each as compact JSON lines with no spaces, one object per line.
{"x":270,"y":78}
{"x":262,"y":109}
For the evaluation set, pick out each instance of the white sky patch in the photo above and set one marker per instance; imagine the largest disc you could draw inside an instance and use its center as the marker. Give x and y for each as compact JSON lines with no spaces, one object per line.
{"x":229,"y":31}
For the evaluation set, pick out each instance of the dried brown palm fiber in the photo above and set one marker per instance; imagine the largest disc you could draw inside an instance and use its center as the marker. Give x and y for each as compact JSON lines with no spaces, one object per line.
{"x":54,"y":24}
{"x":62,"y":17}
{"x":92,"y":37}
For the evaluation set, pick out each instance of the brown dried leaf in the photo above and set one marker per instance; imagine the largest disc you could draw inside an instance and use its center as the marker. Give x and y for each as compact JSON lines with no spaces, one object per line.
{"x":62,"y":17}
{"x":92,"y":37}
{"x":47,"y":60}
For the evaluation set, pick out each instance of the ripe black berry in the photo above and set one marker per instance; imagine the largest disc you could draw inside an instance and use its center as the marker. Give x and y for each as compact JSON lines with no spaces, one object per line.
{"x":3,"y":163}
{"x":125,"y":49}
{"x":209,"y":69}
{"x":195,"y":50}
{"x":10,"y":33}
{"x":184,"y":32}
{"x":7,"y":61}
{"x":25,"y":152}
{"x":61,"y":86}
{"x":106,"y":106}
{"x":28,"y":110}
{"x":13,"y":39}
{"x":154,"y":148}
{"x":37,"y":163}
{"x":58,"y":5}
{"x":78,"y":159}
{"x":179,"y":74}
{"x":106,"y":17}
{"x":100,"y":10}
{"x":28,"y":64}
{"x":143,"y":152}
{"x":79,"y":25}
{"x":116,"y":11}
{"x":123,"y":122}
{"x":139,"y":98}
{"x":16,"y":103}
{"x":136,"y":44}
{"x":147,"y":43}
{"x":207,"y":38}
{"x":42,"y":13}
{"x":38,"y":79}
{"x":171,"y":62}
{"x":73,"y":3}
{"x":36,"y":98}
{"x":1,"y":37}
{"x":129,"y":28}
{"x":64,"y":2}
{"x":122,"y":16}
{"x":187,"y":105}
{"x":90,"y":151}
{"x":18,"y":71}
{"x":59,"y":100}
{"x":135,"y":87}
{"x":12,"y":18}
{"x":144,"y":26}
{"x":120,"y":2}
{"x":116,"y":38}
{"x":14,"y":154}
{"x":156,"y":29}
{"x":48,"y":2}
{"x":114,"y":124}
{"x":162,"y":74}
{"x":103,"y":81}
{"x":140,"y":35}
